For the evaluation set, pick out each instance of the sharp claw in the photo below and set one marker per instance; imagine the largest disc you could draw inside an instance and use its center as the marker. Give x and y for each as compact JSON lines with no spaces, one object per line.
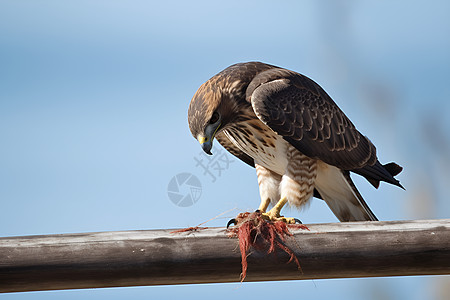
{"x":232,"y":221}
{"x":297,"y":221}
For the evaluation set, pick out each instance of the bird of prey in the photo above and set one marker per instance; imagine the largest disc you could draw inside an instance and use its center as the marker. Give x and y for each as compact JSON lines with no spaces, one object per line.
{"x":287,"y":127}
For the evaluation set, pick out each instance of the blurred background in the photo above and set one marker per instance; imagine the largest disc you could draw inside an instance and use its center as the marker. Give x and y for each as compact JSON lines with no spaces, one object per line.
{"x":93,"y":119}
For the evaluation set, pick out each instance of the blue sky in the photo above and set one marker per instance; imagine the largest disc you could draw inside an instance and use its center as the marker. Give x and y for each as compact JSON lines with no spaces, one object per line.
{"x":93,"y":117}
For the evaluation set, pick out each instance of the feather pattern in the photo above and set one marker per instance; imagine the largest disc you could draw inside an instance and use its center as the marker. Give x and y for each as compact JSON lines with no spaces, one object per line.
{"x":289,"y":128}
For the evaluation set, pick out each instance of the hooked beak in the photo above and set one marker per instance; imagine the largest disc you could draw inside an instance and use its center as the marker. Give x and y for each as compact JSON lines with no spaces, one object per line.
{"x":207,"y":141}
{"x":206,"y":146}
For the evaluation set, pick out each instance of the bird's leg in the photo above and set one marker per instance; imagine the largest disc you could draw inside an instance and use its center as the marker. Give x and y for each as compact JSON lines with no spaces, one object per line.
{"x":264,"y":204}
{"x":296,"y":186}
{"x":274,"y":213}
{"x":269,"y":183}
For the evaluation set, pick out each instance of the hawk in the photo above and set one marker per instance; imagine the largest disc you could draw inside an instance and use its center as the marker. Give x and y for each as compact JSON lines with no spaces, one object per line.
{"x":287,"y":127}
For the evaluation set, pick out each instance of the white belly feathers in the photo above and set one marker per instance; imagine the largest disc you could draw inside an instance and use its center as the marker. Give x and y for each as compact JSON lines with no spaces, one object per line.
{"x":261,"y":143}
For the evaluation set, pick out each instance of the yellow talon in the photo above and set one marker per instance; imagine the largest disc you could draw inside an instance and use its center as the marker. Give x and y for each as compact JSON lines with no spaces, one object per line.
{"x":273,"y":215}
{"x":271,"y":218}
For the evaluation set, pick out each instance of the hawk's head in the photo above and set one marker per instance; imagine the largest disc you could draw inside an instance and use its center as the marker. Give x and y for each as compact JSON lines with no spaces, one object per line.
{"x":220,"y":101}
{"x":213,"y":107}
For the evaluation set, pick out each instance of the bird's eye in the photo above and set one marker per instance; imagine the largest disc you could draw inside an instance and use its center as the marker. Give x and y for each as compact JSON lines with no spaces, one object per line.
{"x":214,"y":118}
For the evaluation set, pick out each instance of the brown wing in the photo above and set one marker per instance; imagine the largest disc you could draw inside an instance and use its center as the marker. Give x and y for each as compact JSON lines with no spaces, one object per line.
{"x":298,"y":109}
{"x":230,"y":147}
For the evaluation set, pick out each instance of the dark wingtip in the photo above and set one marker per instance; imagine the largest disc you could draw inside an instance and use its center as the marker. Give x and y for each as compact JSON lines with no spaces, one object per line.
{"x":400,"y":185}
{"x":374,"y":182}
{"x":393,"y":168}
{"x":380,"y":172}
